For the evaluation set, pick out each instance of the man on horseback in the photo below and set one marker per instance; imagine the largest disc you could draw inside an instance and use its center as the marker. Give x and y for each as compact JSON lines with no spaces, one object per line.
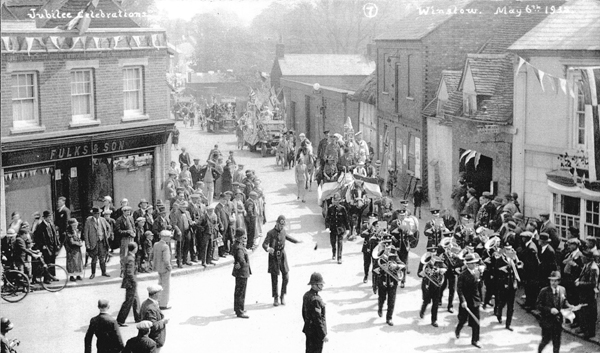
{"x":322,"y":147}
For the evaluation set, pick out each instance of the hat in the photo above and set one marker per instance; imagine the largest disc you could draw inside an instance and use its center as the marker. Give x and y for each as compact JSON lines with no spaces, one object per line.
{"x":6,"y":324}
{"x":144,"y":325}
{"x":71,"y":221}
{"x":183,"y":204}
{"x":471,"y":258}
{"x":518,"y":216}
{"x":139,"y":219}
{"x":316,"y":278}
{"x":378,"y":163}
{"x":487,"y":195}
{"x":155,"y":288}
{"x":554,"y":275}
{"x":511,"y":225}
{"x":573,"y":230}
{"x":526,"y":234}
{"x":302,"y":135}
{"x":241,"y":166}
{"x":36,"y":215}
{"x":253,"y":193}
{"x":24,"y":225}
{"x":239,"y":233}
{"x":326,"y":132}
{"x":126,"y":208}
{"x":404,"y":202}
{"x":95,"y":210}
{"x":544,"y":236}
{"x":330,"y":158}
{"x":435,"y":211}
{"x":165,"y":233}
{"x":280,"y":218}
{"x":230,"y":193}
{"x":545,"y":214}
{"x":107,"y":198}
{"x":162,"y":209}
{"x":46,"y":214}
{"x":472,"y":191}
{"x":11,"y":233}
{"x":107,"y":212}
{"x":222,"y":196}
{"x":574,"y":241}
{"x":498,"y":200}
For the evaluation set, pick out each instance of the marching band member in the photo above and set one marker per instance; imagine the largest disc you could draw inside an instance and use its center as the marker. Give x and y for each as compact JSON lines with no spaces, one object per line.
{"x":434,"y":228}
{"x":358,"y":204}
{"x":465,"y":231}
{"x":338,"y":223}
{"x":490,"y":255}
{"x":387,"y":286}
{"x":469,"y":292}
{"x":367,"y":248}
{"x":449,"y":221}
{"x":400,"y":231}
{"x":453,"y":265}
{"x":432,"y":270}
{"x":531,"y":264}
{"x":507,"y":277}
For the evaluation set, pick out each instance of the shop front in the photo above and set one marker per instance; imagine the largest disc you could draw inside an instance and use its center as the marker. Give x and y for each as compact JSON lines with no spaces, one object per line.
{"x":83,"y":169}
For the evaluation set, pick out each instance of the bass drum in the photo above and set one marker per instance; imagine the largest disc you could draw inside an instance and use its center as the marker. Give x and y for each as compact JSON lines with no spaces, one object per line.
{"x":413,"y":239}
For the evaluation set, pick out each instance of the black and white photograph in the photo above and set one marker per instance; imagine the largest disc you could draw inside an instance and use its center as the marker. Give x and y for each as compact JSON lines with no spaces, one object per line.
{"x":287,"y":176}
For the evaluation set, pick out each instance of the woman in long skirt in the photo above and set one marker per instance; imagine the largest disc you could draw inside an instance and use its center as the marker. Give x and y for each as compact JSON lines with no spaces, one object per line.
{"x":227,"y":177}
{"x":300,"y":173}
{"x":240,"y":210}
{"x":73,"y":244}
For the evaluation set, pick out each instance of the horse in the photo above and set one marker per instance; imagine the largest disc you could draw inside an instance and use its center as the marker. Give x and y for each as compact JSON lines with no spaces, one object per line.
{"x":310,"y":162}
{"x":290,"y":154}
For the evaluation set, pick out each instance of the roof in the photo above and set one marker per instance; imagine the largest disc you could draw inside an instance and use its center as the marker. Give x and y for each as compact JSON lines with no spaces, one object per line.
{"x":213,"y":77}
{"x":486,"y":71}
{"x":322,"y":87}
{"x":325,"y":65}
{"x":452,"y":79}
{"x":74,"y":6}
{"x":18,"y":9}
{"x":416,"y":26}
{"x":367,"y":91}
{"x":577,"y":29}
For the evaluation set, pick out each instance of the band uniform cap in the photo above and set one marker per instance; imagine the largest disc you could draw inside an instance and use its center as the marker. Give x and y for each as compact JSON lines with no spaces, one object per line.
{"x":139,"y":219}
{"x":6,"y":325}
{"x":95,"y":210}
{"x":239,"y":233}
{"x":446,"y":232}
{"x":107,"y":198}
{"x":487,"y":194}
{"x":144,"y":325}
{"x":230,"y":193}
{"x":155,"y":288}
{"x":466,"y":216}
{"x":511,"y":225}
{"x":46,"y":214}
{"x":526,"y":234}
{"x":126,"y":208}
{"x":519,"y":216}
{"x":544,"y":236}
{"x":316,"y":278}
{"x":554,"y":275}
{"x":508,"y":247}
{"x":545,"y":214}
{"x":471,"y":258}
{"x":435,"y":211}
{"x":165,"y":233}
{"x":253,"y":193}
{"x":574,"y":230}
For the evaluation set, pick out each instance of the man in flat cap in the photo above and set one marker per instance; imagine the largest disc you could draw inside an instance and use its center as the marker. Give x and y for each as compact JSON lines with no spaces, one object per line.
{"x":97,"y":236}
{"x":161,"y":263}
{"x":195,"y":171}
{"x":125,"y":229}
{"x":106,"y":330}
{"x":250,"y":218}
{"x":184,"y":158}
{"x":241,"y":272}
{"x":274,"y":244}
{"x":572,"y":265}
{"x":141,"y":343}
{"x":150,"y":311}
{"x":547,"y":257}
{"x":472,"y":204}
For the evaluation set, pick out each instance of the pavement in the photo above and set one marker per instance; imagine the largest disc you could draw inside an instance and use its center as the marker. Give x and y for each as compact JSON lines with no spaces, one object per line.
{"x":202,"y":317}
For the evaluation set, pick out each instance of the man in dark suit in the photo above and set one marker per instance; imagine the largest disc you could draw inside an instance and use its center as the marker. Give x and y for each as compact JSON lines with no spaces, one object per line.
{"x":313,"y":313}
{"x":241,"y":272}
{"x":125,"y":229}
{"x":184,"y":158}
{"x":47,"y":240}
{"x":469,"y":292}
{"x":274,"y":244}
{"x":130,"y":285}
{"x":472,"y":205}
{"x":97,"y":236}
{"x":223,"y":211}
{"x":61,"y":216}
{"x":106,"y":329}
{"x":141,"y":343}
{"x":549,"y":302}
{"x":195,"y":171}
{"x":151,"y":312}
{"x":549,"y":228}
{"x":531,"y":265}
{"x":547,"y":258}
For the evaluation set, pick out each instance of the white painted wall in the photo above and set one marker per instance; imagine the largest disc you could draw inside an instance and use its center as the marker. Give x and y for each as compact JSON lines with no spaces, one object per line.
{"x":439,"y":163}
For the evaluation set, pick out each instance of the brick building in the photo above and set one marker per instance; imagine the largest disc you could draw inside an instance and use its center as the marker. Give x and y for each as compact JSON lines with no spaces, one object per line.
{"x":220,"y":85}
{"x":410,"y":61}
{"x":85,"y":111}
{"x":556,"y":112}
{"x":314,"y":111}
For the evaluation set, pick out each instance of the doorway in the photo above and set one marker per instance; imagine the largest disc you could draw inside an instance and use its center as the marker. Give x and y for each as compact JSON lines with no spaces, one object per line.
{"x":477,"y":176}
{"x":71,"y":181}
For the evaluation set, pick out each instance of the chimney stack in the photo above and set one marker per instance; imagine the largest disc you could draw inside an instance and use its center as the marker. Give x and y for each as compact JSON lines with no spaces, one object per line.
{"x":279,"y":50}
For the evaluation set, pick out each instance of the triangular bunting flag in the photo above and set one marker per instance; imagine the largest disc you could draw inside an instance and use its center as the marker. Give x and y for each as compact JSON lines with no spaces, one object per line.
{"x":7,"y":46}
{"x":75,"y":40}
{"x":540,"y":76}
{"x":29,"y":41}
{"x":555,"y":83}
{"x":34,"y":172}
{"x":61,"y":41}
{"x":96,"y":42}
{"x":570,"y":85}
{"x":154,"y":39}
{"x":54,"y":41}
{"x":40,"y":40}
{"x":10,"y":176}
{"x":521,"y":62}
{"x":47,"y":170}
{"x":117,"y":39}
{"x":563,"y":85}
{"x":554,"y":88}
{"x":136,"y":39}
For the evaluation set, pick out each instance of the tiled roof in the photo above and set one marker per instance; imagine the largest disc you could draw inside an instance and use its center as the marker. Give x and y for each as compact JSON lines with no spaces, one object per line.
{"x":494,"y":80}
{"x":453,"y":106}
{"x":431,"y":108}
{"x":325,"y":65}
{"x":577,"y":29}
{"x":367,"y":91}
{"x":74,"y":6}
{"x":486,"y":70}
{"x":452,"y":79}
{"x":454,"y":103}
{"x":416,"y":26}
{"x":19,"y":9}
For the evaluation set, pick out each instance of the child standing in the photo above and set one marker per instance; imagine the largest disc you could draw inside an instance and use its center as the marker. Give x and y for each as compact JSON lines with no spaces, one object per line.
{"x":417,"y":199}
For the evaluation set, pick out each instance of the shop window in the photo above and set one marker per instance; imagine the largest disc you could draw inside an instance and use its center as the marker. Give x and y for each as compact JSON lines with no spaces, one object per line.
{"x":133,"y":91}
{"x":28,"y":191}
{"x":24,"y":99}
{"x":580,"y":116}
{"x":133,"y":177}
{"x":566,"y":211}
{"x":82,"y":94}
{"x":592,"y":218}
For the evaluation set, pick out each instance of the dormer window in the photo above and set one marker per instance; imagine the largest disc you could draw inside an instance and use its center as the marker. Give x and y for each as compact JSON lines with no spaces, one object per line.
{"x":469,"y":103}
{"x":440,"y":108}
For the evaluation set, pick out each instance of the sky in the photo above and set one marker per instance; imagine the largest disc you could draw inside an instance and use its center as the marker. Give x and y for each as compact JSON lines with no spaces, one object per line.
{"x":186,"y":9}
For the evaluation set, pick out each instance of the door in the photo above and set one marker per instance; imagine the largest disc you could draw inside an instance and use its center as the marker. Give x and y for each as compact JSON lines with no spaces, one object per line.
{"x":480,"y":176}
{"x":71,"y":181}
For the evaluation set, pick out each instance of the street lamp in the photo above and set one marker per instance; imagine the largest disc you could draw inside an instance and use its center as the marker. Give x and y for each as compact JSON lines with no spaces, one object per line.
{"x":316,"y":88}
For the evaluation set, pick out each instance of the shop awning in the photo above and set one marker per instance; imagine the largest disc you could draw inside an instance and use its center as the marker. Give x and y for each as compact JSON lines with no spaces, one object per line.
{"x":562,"y":182}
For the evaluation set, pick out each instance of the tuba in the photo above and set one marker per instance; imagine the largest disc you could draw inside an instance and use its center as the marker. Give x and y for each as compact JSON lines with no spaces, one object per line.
{"x":452,"y":251}
{"x":394,"y":268}
{"x":432,"y":272}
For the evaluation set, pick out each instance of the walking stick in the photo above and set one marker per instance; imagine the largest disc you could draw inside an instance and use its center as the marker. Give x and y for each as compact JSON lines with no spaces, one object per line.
{"x":472,"y":315}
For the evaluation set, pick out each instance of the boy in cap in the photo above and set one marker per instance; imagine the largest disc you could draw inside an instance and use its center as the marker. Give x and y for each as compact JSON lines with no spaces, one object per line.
{"x":106,"y":329}
{"x":150,"y":311}
{"x":241,"y":272}
{"x":130,"y":284}
{"x":141,"y":343}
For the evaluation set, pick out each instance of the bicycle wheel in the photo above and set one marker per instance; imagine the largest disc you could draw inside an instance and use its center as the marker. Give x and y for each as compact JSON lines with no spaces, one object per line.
{"x":59,"y":278}
{"x":15,"y":287}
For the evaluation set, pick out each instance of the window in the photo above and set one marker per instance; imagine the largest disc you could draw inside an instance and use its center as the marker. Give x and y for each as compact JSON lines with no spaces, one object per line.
{"x":580,"y":115}
{"x":566,"y":213}
{"x":133,"y":96}
{"x":386,"y":61}
{"x":469,"y":103}
{"x":592,"y":218}
{"x":24,"y":99}
{"x":408,"y":66}
{"x":82,"y":94}
{"x":411,"y":153}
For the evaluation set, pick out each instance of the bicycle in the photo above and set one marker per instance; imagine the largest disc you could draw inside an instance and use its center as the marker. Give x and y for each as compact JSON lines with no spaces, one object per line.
{"x":52,"y":278}
{"x":15,"y":285}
